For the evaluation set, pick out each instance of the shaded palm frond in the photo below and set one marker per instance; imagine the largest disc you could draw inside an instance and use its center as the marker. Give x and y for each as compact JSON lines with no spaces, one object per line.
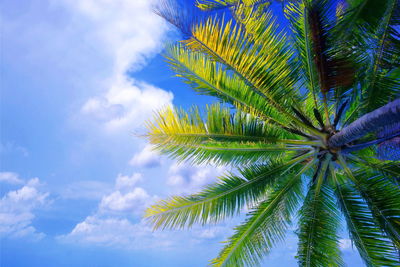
{"x":386,"y":168}
{"x":374,"y":248}
{"x":373,"y":27}
{"x":382,"y":197}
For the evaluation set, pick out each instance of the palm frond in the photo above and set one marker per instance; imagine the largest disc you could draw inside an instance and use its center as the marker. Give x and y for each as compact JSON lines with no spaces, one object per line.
{"x":221,"y":4}
{"x":375,"y":23}
{"x":319,"y":223}
{"x":208,"y":76}
{"x":221,"y":200}
{"x":266,"y":224}
{"x":374,"y":248}
{"x":222,"y":137}
{"x":382,"y":197}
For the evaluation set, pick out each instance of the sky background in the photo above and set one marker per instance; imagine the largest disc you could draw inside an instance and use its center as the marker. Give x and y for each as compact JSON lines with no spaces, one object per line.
{"x":78,"y":81}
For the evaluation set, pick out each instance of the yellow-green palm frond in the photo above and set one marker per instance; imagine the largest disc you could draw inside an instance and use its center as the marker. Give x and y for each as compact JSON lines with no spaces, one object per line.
{"x":220,"y":137}
{"x":219,"y":4}
{"x":208,"y":76}
{"x":266,"y":224}
{"x":264,"y":67}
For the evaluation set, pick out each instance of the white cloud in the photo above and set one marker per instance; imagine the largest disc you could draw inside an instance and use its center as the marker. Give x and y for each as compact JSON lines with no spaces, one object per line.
{"x":128,"y":33}
{"x":10,"y":178}
{"x":186,"y":178}
{"x":134,"y":201}
{"x":128,"y":30}
{"x":147,"y":158}
{"x":16,"y":210}
{"x":125,"y":182}
{"x":118,"y":222}
{"x":115,"y":232}
{"x":127,"y":105}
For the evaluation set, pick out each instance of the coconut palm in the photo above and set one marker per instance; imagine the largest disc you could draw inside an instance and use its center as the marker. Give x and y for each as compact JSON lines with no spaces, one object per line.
{"x":309,"y":117}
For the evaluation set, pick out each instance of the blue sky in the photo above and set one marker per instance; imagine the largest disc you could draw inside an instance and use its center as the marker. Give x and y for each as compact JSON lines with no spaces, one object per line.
{"x":78,"y":81}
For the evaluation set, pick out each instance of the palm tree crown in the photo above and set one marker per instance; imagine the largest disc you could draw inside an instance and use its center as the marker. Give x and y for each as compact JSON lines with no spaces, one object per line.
{"x":315,"y":131}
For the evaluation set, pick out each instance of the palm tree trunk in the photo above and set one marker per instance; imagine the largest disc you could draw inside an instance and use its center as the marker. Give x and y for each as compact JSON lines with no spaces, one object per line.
{"x":370,"y":122}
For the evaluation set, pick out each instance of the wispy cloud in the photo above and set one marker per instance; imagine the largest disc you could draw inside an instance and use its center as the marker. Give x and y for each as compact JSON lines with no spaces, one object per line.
{"x":10,"y":178}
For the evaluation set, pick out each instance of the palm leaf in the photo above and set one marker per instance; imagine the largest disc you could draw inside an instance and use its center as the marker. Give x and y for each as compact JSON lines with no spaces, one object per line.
{"x":266,"y":224}
{"x":382,"y":197}
{"x":221,"y":200}
{"x":374,"y":248}
{"x":221,"y":138}
{"x":221,"y":4}
{"x":208,"y":76}
{"x":319,"y":222}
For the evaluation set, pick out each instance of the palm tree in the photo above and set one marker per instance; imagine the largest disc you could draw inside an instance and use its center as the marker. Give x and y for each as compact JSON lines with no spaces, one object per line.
{"x":309,"y":117}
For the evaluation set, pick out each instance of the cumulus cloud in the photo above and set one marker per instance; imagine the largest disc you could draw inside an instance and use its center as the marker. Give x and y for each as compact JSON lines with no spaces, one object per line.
{"x":186,"y":178}
{"x":126,"y":182}
{"x":147,"y":158}
{"x":128,"y":33}
{"x":127,"y":105}
{"x":16,"y":210}
{"x":117,"y":222}
{"x":10,"y":178}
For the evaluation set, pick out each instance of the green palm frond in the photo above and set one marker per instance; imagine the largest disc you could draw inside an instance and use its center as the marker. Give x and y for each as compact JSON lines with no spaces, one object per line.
{"x":266,"y":224}
{"x":379,"y":19}
{"x":319,"y":223}
{"x":223,"y":199}
{"x":382,"y":197}
{"x":374,"y":248}
{"x":387,"y":169}
{"x":297,"y":15}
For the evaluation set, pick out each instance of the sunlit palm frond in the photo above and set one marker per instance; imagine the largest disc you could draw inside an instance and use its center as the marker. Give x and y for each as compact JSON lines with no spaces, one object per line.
{"x":208,"y":76}
{"x":220,"y":4}
{"x":220,"y":137}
